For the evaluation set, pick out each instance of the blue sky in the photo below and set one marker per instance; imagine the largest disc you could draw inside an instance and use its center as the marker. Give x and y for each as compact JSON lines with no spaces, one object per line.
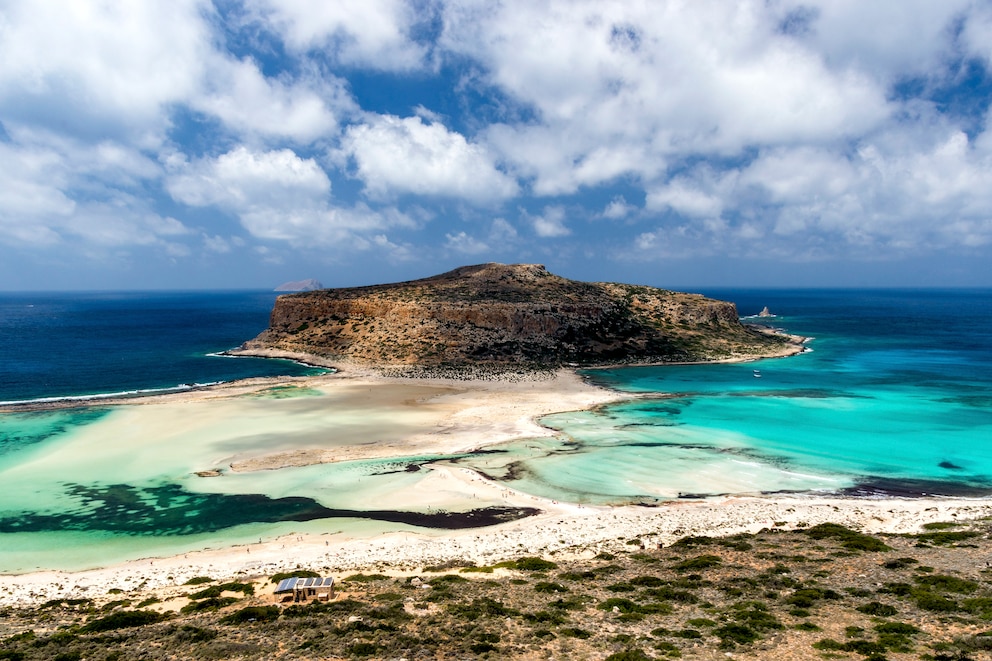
{"x":196,"y":144}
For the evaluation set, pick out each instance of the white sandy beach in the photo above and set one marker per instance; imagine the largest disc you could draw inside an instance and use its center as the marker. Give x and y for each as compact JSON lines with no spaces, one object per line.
{"x":379,"y":417}
{"x":563,"y":530}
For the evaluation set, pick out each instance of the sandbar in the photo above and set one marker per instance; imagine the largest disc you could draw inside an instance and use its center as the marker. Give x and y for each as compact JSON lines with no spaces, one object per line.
{"x":373,"y":417}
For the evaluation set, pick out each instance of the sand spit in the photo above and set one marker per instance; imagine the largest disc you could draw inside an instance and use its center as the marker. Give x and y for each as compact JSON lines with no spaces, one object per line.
{"x":451,"y":415}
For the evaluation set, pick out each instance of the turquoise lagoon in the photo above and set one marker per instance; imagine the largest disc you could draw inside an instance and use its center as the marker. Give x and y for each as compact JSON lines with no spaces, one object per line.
{"x":894,"y":398}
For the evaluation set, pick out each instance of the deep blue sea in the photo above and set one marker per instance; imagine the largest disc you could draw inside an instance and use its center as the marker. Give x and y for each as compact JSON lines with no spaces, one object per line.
{"x":893,"y":397}
{"x":78,"y":344}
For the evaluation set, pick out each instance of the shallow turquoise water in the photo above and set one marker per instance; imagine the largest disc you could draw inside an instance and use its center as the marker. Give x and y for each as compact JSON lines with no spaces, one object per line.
{"x":895,"y":397}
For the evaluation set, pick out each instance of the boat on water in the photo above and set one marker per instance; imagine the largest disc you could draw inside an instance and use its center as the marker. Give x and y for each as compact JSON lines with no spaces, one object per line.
{"x":757,"y":374}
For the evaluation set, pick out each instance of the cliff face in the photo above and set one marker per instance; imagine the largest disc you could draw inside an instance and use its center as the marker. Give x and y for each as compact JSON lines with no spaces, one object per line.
{"x":510,"y":315}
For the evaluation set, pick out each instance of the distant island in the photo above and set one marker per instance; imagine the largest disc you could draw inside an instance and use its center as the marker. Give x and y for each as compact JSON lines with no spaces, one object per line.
{"x":504,"y":317}
{"x":299,"y":285}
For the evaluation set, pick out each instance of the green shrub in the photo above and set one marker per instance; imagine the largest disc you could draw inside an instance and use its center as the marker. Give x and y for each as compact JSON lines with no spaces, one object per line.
{"x":481,"y":607}
{"x":670,"y":649}
{"x":622,"y":605}
{"x":849,"y":539}
{"x":317,"y":607}
{"x":252,"y":614}
{"x":546,"y":617}
{"x":482,"y":648}
{"x":546,"y":586}
{"x":123,"y":620}
{"x":898,"y":589}
{"x":365,"y":578}
{"x":701,"y":622}
{"x":806,"y":597}
{"x":864,"y":647}
{"x":191,"y":634}
{"x":211,"y":604}
{"x":902,"y":628}
{"x":948,"y":583}
{"x":941,"y":525}
{"x":756,"y":616}
{"x":731,"y":635}
{"x":534,"y":564}
{"x":363,"y":649}
{"x":74,"y":655}
{"x":629,"y":655}
{"x":215,"y":591}
{"x":878,"y":609}
{"x":900,"y":563}
{"x":447,"y":579}
{"x":982,"y":605}
{"x":699,"y":563}
{"x":934,"y":602}
{"x":671,"y":594}
{"x":946,"y":537}
{"x":575,"y":632}
{"x":694,"y":540}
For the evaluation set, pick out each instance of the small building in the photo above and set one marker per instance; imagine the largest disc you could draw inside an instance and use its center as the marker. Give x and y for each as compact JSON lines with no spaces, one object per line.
{"x":298,"y":589}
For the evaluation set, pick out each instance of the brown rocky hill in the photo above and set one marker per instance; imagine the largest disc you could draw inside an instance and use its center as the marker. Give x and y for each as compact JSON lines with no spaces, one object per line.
{"x":510,"y":316}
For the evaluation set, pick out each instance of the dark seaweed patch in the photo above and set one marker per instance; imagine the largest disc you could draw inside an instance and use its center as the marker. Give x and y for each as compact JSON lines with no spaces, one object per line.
{"x":170,"y":510}
{"x":885,"y":487}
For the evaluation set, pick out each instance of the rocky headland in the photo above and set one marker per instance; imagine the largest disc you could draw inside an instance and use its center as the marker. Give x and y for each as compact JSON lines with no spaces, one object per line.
{"x":508,"y":317}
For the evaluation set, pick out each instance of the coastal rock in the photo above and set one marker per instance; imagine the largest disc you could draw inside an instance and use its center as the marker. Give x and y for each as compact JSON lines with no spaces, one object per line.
{"x":765,"y":312}
{"x":507,"y":316}
{"x":299,"y":285}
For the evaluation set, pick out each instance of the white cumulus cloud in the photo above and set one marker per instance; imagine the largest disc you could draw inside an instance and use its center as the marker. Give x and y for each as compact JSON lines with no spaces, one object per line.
{"x":277,"y":195}
{"x":405,"y":155}
{"x":375,"y":33}
{"x":551,"y":223}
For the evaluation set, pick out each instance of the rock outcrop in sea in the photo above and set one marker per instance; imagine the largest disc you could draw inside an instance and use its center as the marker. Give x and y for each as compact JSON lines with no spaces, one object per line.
{"x":299,"y":285}
{"x":507,"y":317}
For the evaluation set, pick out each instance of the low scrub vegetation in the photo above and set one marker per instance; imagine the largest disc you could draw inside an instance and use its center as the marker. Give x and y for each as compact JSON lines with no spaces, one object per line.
{"x":819,"y":593}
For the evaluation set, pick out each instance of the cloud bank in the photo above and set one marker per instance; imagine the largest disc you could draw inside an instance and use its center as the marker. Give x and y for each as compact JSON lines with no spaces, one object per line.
{"x":423,"y":131}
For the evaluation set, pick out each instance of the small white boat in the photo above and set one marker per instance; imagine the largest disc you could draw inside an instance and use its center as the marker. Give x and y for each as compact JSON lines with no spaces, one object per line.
{"x":757,"y":374}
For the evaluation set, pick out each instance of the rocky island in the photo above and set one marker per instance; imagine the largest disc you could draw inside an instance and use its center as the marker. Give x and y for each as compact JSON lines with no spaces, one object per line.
{"x":299,"y":285}
{"x":507,"y":317}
